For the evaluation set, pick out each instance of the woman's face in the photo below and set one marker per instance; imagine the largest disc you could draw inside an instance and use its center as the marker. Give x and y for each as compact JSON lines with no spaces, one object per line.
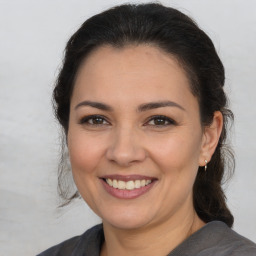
{"x":135,"y":138}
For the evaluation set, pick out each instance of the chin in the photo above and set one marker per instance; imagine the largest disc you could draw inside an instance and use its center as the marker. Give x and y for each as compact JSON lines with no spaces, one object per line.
{"x":126,"y":221}
{"x":126,"y":225}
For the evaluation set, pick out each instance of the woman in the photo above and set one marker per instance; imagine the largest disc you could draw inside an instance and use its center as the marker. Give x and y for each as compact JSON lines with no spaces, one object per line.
{"x":140,"y":98}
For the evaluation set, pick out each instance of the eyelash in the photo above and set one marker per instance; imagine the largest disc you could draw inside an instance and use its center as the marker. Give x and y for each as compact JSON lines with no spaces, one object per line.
{"x":162,"y":118}
{"x":86,"y":121}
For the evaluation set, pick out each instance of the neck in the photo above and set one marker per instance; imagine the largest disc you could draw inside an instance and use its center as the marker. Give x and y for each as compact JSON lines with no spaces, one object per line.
{"x":159,"y":239}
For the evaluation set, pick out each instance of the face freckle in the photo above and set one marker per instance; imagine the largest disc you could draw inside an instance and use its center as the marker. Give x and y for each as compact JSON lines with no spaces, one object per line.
{"x":133,"y":116}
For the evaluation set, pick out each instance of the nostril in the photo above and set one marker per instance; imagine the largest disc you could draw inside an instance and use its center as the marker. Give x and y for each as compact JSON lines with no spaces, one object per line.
{"x":126,"y":155}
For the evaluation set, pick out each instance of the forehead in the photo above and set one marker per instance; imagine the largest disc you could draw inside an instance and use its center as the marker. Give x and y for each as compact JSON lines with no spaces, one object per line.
{"x":142,"y":71}
{"x":129,"y":57}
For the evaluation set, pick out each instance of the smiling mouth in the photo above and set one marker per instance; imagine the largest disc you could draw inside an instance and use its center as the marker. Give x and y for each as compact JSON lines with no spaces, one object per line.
{"x":127,"y":185}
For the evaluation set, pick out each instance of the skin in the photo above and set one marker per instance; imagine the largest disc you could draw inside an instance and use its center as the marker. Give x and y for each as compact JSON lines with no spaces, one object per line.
{"x":129,"y":141}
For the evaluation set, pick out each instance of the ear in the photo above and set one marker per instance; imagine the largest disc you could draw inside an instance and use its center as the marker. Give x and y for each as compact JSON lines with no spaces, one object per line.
{"x":211,"y":135}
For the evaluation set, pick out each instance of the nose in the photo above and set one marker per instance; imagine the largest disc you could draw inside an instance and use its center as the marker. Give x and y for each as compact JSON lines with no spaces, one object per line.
{"x":126,"y":147}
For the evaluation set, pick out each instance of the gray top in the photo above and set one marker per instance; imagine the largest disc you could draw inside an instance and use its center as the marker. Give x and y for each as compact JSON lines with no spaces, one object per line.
{"x":214,"y":239}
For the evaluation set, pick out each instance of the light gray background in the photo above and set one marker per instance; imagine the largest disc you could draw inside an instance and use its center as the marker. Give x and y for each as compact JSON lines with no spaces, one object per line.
{"x":32,"y":38}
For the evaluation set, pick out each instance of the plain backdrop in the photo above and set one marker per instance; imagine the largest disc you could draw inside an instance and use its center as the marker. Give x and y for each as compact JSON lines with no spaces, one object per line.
{"x":32,"y":38}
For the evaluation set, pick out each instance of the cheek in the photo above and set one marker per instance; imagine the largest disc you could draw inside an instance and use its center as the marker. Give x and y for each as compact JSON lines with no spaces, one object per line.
{"x":85,"y":152}
{"x":176,"y":151}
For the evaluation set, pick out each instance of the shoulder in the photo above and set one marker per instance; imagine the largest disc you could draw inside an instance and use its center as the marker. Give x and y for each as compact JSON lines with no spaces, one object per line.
{"x":88,"y":243}
{"x":236,"y":244}
{"x":223,"y":241}
{"x":215,"y":239}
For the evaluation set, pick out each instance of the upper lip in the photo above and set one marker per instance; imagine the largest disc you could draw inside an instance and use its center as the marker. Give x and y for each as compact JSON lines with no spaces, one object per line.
{"x":127,"y":177}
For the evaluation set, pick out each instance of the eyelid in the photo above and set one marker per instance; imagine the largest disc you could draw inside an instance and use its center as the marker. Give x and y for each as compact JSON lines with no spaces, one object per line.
{"x":85,"y":119}
{"x":168,"y":119}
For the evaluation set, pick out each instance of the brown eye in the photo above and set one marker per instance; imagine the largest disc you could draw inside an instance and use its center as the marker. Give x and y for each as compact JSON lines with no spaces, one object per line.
{"x":94,"y":120}
{"x":160,"y":121}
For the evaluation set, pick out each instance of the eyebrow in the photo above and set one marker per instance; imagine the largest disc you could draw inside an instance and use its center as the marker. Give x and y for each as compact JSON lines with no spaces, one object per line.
{"x":94,"y":104}
{"x":160,"y":104}
{"x":141,"y":108}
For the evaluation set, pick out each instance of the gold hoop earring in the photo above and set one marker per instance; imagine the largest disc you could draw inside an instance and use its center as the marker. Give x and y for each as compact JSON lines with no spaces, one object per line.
{"x":205,"y":167}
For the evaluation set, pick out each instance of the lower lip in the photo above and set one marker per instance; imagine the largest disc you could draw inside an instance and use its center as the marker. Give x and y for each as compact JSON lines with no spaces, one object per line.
{"x":127,"y":194}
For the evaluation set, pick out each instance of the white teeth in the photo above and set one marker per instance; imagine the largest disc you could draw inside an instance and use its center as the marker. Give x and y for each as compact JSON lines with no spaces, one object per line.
{"x":137,"y":183}
{"x":129,"y":185}
{"x":115,"y":184}
{"x":110,"y":183}
{"x":148,"y":182}
{"x":121,"y":184}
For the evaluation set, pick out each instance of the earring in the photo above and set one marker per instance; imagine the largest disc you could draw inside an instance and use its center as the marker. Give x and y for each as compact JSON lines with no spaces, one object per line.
{"x":205,"y":167}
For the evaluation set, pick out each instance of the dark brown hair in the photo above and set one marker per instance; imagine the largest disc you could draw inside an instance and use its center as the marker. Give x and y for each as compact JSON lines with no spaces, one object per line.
{"x":178,"y":35}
